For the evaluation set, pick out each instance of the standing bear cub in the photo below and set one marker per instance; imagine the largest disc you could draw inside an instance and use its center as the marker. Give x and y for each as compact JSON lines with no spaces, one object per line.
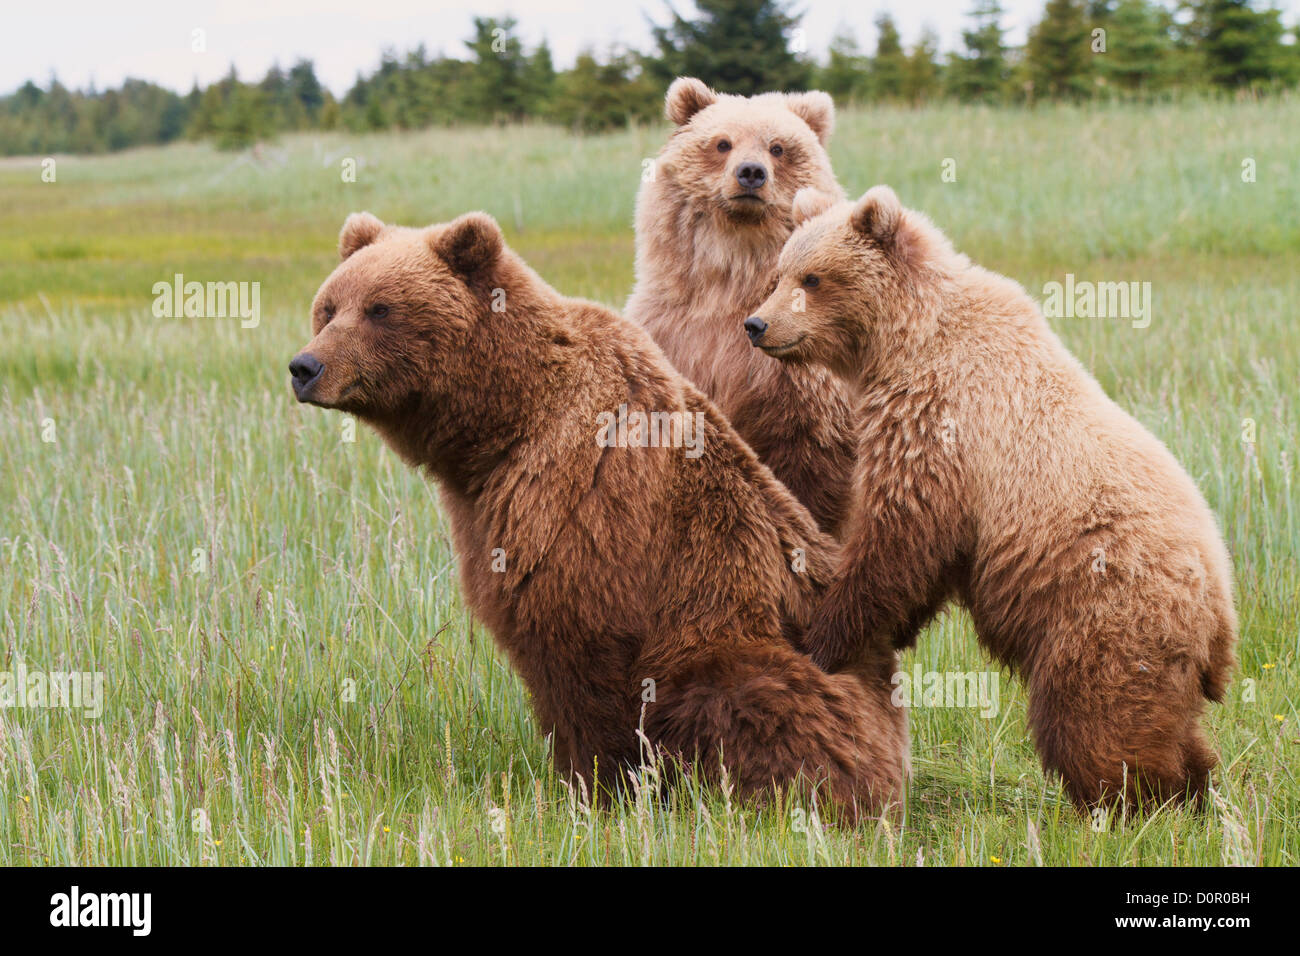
{"x":710,"y":225}
{"x":638,"y":565}
{"x":994,"y":469}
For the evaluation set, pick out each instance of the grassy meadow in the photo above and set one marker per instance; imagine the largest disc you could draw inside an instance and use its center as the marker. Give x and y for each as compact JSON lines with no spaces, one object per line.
{"x":290,"y":676}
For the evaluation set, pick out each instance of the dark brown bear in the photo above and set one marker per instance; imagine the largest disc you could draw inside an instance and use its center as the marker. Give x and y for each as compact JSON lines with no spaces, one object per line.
{"x":638,"y":572}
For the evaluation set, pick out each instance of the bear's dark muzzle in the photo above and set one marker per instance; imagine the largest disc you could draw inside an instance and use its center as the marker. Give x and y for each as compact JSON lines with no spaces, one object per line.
{"x":305,"y":369}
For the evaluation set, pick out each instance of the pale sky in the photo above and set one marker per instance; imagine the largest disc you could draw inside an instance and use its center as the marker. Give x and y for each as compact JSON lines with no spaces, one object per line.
{"x":85,"y":40}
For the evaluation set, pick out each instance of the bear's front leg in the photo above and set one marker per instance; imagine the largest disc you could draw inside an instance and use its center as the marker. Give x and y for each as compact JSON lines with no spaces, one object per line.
{"x":844,"y":627}
{"x":896,"y":572}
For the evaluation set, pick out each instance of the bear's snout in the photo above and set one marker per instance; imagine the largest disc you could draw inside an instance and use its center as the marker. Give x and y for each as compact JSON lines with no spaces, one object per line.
{"x":751,"y":175}
{"x":305,"y":369}
{"x":754,"y":328}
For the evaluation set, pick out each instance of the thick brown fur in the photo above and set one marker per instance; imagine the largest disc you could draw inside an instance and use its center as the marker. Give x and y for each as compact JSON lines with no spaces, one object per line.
{"x":995,"y":470}
{"x":600,"y":569}
{"x":705,"y":258}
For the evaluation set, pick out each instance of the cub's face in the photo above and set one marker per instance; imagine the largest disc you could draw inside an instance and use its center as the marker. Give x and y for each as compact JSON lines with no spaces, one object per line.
{"x":838,"y":278}
{"x":393,"y":314}
{"x":745,"y":158}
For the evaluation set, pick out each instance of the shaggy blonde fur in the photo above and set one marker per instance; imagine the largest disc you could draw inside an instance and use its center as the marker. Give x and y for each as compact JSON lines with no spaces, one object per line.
{"x":994,"y":469}
{"x":706,"y":252}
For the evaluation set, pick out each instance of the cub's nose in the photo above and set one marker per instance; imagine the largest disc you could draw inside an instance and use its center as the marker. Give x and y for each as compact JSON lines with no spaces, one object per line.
{"x":305,"y":369}
{"x":754,"y":328}
{"x":751,"y":175}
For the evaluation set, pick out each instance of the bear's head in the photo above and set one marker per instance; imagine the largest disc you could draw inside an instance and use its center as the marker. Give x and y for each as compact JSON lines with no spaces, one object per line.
{"x":741,"y":160}
{"x":849,"y":281}
{"x":398,"y":335}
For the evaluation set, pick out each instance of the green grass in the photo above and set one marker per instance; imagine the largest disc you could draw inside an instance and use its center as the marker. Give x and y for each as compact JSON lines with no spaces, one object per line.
{"x":227,"y":734}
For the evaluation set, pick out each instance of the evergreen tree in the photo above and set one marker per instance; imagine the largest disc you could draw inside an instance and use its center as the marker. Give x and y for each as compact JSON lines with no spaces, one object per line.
{"x":539,"y":80}
{"x":845,"y":76}
{"x":595,"y":96}
{"x":331,"y":116}
{"x":921,"y":76}
{"x":375,"y":116}
{"x":206,"y":120}
{"x":497,"y":90}
{"x":171,"y":118}
{"x":244,"y":116}
{"x":283,"y":109}
{"x":1242,"y":46}
{"x":980,"y":74}
{"x":1139,"y":47}
{"x":889,"y":64}
{"x":307,"y":90}
{"x":1099,"y":12}
{"x":736,"y":46}
{"x":1058,"y":54}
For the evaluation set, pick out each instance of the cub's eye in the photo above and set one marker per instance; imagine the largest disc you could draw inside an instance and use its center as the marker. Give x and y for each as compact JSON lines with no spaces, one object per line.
{"x":811,"y":281}
{"x":776,"y":149}
{"x":328,"y":312}
{"x":723,"y":145}
{"x":378,"y":311}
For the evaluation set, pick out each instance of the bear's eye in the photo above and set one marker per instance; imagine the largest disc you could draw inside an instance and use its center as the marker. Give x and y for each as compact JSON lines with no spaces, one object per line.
{"x":378,"y":311}
{"x":723,"y":145}
{"x":776,"y":149}
{"x":811,"y":281}
{"x":328,"y":312}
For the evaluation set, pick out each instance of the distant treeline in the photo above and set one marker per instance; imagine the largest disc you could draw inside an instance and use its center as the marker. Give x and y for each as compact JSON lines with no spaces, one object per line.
{"x":1079,"y":49}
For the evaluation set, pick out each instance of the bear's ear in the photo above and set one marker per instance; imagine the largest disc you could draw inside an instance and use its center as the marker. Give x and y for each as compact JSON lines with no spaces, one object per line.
{"x":686,"y":97}
{"x":359,"y":230}
{"x":470,"y":243}
{"x":878,"y":215}
{"x":809,"y":203}
{"x":816,"y":109}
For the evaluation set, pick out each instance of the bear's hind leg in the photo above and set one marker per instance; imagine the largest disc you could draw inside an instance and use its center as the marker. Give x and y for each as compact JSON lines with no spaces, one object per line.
{"x":771,"y":717}
{"x":1121,"y":730}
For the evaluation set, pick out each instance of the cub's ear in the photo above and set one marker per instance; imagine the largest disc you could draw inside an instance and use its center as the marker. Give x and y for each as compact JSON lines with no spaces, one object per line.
{"x":470,"y":243}
{"x":816,"y":109}
{"x":686,"y":97}
{"x":878,"y":215}
{"x":810,"y":203}
{"x":359,"y":230}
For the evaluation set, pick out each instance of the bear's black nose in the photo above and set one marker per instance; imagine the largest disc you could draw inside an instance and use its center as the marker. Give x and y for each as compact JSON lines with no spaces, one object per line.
{"x":304,"y":368}
{"x":754,"y":328}
{"x":751,"y":175}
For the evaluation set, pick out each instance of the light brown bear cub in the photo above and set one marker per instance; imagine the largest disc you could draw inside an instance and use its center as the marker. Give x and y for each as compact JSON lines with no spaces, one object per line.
{"x":710,"y":225}
{"x":629,"y":553}
{"x":993,"y":469}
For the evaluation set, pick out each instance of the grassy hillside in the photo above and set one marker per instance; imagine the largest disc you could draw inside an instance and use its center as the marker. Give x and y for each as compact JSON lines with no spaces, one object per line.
{"x":235,"y":568}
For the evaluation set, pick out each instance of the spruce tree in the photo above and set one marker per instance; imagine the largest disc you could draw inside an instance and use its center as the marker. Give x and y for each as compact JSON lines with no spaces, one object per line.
{"x":980,"y":74}
{"x":736,"y":46}
{"x":890,"y":63}
{"x":1058,"y":54}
